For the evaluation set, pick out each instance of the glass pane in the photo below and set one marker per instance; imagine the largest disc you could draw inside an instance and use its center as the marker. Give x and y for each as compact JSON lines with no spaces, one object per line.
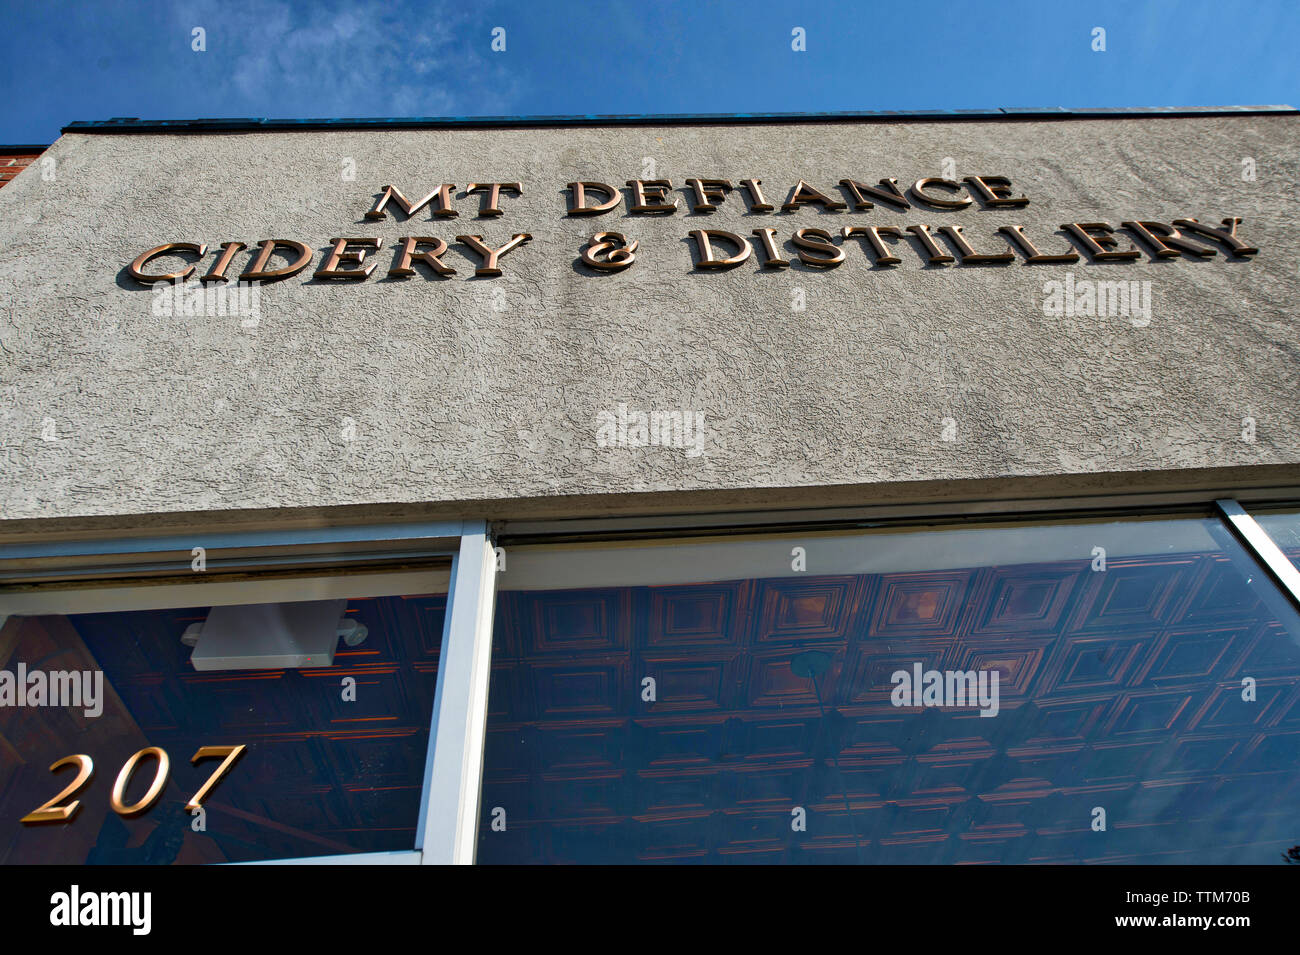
{"x":334,"y":758}
{"x":1284,"y":528}
{"x":748,"y":700}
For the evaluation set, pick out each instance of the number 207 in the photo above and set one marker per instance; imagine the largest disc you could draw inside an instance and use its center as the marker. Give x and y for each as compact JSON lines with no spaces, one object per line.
{"x":52,"y":811}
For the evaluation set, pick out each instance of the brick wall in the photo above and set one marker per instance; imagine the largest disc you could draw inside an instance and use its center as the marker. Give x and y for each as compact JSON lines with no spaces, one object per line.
{"x":13,"y":161}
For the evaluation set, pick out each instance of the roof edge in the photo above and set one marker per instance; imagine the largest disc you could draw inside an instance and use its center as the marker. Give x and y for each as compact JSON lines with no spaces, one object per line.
{"x":134,"y":125}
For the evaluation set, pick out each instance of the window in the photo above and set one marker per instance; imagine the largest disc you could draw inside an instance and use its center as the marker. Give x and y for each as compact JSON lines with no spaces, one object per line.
{"x":334,"y":741}
{"x":346,"y":665}
{"x":768,"y":698}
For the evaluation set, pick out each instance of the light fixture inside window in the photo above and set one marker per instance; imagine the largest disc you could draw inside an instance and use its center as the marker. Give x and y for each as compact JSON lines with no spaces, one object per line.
{"x":272,"y":636}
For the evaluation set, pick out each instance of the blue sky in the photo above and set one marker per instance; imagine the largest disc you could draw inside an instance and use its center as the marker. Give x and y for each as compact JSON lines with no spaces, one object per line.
{"x":61,"y":62}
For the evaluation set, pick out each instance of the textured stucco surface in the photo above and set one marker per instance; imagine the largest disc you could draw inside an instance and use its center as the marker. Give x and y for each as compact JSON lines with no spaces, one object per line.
{"x":473,"y":390}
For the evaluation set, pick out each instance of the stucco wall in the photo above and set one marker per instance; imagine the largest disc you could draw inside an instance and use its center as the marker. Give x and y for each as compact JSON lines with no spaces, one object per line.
{"x":488,"y":390}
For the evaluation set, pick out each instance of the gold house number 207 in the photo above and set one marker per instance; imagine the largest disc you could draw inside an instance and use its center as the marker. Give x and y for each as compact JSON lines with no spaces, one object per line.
{"x":52,"y":811}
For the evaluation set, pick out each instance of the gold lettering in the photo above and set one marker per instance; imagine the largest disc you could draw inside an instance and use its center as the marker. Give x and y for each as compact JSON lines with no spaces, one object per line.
{"x":579,"y":207}
{"x":1165,"y":241}
{"x":706,"y":190}
{"x":757,"y":202}
{"x":1227,"y":235}
{"x":995,"y":191}
{"x":490,"y":256}
{"x":431,"y":258}
{"x":968,"y":255}
{"x":804,"y":193}
{"x":818,"y":240}
{"x":231,"y":754}
{"x":442,"y":194}
{"x":919,"y":193}
{"x":872,"y":233}
{"x":891,"y":194}
{"x":171,"y":248}
{"x":1096,"y":238}
{"x":218,"y":273}
{"x":51,"y":811}
{"x":702,"y":239}
{"x":258,"y":272}
{"x":936,"y":254}
{"x":655,"y":190}
{"x":116,"y":799}
{"x":609,"y":252}
{"x":772,"y":258}
{"x":340,"y":253}
{"x":492,"y":195}
{"x":1016,"y":233}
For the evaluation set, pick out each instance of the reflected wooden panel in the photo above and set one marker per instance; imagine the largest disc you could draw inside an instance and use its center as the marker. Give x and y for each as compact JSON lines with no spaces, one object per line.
{"x":1120,"y":689}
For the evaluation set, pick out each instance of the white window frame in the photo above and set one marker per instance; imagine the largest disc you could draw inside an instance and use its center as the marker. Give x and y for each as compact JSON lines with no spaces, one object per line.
{"x":449,"y":802}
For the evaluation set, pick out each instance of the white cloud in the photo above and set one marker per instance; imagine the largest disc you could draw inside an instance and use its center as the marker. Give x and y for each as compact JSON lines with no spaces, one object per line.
{"x":276,"y":59}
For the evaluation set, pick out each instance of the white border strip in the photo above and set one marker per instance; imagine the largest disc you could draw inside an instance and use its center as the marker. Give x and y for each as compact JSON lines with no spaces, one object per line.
{"x":269,"y":539}
{"x":741,"y":520}
{"x":221,"y":593}
{"x":1262,"y":547}
{"x":448,"y":827}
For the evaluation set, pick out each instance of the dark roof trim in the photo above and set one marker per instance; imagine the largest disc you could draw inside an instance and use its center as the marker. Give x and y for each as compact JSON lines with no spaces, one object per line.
{"x":18,"y":150}
{"x":132,"y":125}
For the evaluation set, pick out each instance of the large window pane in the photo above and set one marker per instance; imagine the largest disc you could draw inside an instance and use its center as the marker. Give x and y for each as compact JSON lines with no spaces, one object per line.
{"x":334,"y":755}
{"x":733,"y":699}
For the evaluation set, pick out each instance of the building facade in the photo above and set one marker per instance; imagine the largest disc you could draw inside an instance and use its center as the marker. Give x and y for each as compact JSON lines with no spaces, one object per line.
{"x":868,"y":488}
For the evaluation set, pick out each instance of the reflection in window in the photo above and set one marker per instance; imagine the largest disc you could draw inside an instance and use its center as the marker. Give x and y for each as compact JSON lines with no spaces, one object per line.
{"x":1284,"y":528}
{"x":709,"y":701}
{"x":335,"y":754}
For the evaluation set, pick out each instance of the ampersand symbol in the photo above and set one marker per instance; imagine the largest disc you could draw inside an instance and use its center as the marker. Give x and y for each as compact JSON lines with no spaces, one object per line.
{"x":609,"y":252}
